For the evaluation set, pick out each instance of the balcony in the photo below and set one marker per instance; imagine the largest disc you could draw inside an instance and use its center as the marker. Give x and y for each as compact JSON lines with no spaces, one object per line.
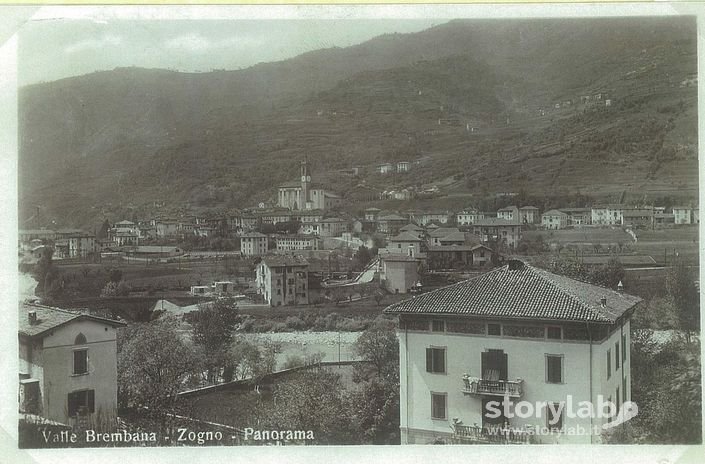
{"x":501,"y":435}
{"x":475,"y":386}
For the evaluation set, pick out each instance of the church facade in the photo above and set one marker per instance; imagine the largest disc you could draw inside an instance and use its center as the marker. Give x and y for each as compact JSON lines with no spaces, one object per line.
{"x":301,"y":195}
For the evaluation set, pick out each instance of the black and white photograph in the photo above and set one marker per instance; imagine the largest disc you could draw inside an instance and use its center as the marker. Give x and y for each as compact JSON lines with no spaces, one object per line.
{"x":310,"y":226}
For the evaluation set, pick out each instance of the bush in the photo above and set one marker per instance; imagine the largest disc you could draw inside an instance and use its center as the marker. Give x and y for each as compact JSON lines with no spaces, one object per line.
{"x":296,"y":323}
{"x":293,"y":361}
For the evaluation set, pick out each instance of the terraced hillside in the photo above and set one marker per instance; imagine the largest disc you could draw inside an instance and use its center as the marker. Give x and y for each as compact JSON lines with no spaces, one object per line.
{"x":472,"y":103}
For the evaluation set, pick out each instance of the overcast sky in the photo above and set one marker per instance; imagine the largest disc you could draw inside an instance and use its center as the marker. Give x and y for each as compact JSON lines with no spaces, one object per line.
{"x":53,"y":49}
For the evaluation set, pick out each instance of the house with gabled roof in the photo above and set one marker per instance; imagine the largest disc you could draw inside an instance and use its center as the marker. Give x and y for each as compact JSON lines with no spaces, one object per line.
{"x":436,"y":234}
{"x":67,"y":364}
{"x":405,"y":243}
{"x":500,"y":231}
{"x":554,"y":219}
{"x":516,"y":333}
{"x":413,"y":229}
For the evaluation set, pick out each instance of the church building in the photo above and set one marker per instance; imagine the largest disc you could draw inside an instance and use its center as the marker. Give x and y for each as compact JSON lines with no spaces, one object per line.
{"x":303,"y":195}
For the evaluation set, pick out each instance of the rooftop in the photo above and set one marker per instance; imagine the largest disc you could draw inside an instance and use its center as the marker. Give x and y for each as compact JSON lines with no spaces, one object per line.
{"x":496,"y":222}
{"x":253,"y":235}
{"x":554,"y":212}
{"x":405,"y":237}
{"x":453,"y":237}
{"x":49,"y":318}
{"x":520,"y":291}
{"x":443,"y":231}
{"x":391,"y":217}
{"x":411,"y":227}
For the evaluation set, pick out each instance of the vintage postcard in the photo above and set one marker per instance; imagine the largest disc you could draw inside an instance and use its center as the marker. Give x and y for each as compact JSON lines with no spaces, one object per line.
{"x":373,"y":226}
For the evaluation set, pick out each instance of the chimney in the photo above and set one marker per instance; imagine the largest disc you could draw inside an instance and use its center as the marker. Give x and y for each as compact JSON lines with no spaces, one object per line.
{"x":620,"y":287}
{"x":603,"y":301}
{"x":32,"y":317}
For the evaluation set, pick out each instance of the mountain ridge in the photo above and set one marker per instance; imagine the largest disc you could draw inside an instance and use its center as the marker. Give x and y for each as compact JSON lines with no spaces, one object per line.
{"x":135,"y":136}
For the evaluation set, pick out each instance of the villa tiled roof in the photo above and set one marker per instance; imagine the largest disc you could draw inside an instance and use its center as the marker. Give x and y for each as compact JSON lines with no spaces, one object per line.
{"x":411,"y":228}
{"x":49,"y":318}
{"x":520,"y":291}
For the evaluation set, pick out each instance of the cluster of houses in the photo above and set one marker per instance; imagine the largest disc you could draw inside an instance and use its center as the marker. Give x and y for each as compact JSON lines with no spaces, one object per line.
{"x":389,"y":168}
{"x":66,"y":243}
{"x":514,"y":334}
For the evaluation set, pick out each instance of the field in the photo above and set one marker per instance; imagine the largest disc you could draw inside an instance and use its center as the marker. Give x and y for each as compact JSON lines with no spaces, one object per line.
{"x":660,"y":244}
{"x":587,"y":235}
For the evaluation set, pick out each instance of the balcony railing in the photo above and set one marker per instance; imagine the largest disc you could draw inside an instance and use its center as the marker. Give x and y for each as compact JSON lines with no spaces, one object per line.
{"x":498,"y":434}
{"x":475,"y":386}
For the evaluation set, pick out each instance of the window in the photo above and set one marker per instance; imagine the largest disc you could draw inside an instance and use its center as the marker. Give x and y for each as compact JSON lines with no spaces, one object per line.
{"x":624,"y":348}
{"x":494,"y":329}
{"x":616,"y":355}
{"x":553,"y":333}
{"x":554,"y":368}
{"x":554,"y":416}
{"x":81,"y":402}
{"x":80,"y":362}
{"x":609,"y":363}
{"x":438,"y":326}
{"x":436,"y":360}
{"x":438,"y":406}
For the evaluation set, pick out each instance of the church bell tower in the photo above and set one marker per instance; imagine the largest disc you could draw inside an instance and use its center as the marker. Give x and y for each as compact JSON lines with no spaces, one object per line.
{"x":305,"y":184}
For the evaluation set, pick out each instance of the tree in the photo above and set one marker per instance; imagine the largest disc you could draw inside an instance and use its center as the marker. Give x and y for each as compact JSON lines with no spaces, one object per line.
{"x":249,"y":360}
{"x":609,"y":275}
{"x":154,"y":364}
{"x":312,"y":399}
{"x":666,"y":387}
{"x":379,"y":346}
{"x":375,"y":404}
{"x":103,"y":231}
{"x":212,"y":329}
{"x":361,"y":258}
{"x":43,"y":271}
{"x":680,"y":285}
{"x":115,"y":289}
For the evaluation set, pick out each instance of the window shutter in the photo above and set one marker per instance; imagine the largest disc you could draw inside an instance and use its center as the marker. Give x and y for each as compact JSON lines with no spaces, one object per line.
{"x":72,"y":406}
{"x":429,"y":360}
{"x":439,"y":362}
{"x":90,"y":400}
{"x":485,"y":362}
{"x":503,"y":372}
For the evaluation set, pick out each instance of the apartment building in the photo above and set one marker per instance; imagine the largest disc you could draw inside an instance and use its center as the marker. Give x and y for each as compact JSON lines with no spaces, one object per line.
{"x":516,"y":332}
{"x":283,"y":280}
{"x":253,"y":244}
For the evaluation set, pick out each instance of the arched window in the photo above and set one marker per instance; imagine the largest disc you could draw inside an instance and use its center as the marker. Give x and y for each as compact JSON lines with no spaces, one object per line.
{"x":80,"y":339}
